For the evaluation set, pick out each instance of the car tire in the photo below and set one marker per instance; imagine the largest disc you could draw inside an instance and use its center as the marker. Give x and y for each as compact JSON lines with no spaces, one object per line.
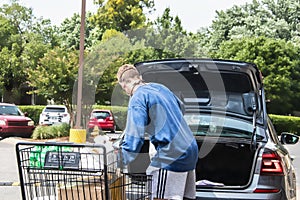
{"x":114,"y":130}
{"x":90,"y":130}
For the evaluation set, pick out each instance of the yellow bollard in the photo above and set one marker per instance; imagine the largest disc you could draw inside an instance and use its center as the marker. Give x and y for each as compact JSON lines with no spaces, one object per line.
{"x":77,"y":135}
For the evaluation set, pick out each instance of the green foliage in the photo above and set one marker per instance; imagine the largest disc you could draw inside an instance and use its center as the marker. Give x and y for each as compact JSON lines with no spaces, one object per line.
{"x":273,"y":19}
{"x":168,"y":39}
{"x":50,"y":132}
{"x":69,"y":32}
{"x":37,"y":57}
{"x":278,"y":62}
{"x":33,"y":112}
{"x":55,"y":76}
{"x":102,"y":63}
{"x":122,"y":15}
{"x":24,"y":40}
{"x":286,"y":124}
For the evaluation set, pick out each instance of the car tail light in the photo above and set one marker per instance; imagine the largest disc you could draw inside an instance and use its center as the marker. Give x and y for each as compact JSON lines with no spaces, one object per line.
{"x":271,"y":164}
{"x":109,"y":118}
{"x":65,"y":115}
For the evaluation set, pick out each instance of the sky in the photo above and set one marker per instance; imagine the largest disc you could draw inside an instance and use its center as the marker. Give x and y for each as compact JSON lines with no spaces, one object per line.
{"x":193,"y":13}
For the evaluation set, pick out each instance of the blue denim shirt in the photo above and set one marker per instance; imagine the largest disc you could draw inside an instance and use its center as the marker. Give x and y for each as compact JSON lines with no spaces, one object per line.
{"x":154,"y":110}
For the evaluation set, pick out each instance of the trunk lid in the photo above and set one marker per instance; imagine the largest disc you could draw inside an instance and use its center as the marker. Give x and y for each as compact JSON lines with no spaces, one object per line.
{"x":218,"y":85}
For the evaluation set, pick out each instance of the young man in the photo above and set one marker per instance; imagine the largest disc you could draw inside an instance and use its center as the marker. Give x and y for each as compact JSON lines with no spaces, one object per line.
{"x":154,"y":110}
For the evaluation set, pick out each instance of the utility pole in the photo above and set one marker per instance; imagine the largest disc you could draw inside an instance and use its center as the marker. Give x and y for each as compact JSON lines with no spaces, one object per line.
{"x":78,"y":133}
{"x":81,"y":63}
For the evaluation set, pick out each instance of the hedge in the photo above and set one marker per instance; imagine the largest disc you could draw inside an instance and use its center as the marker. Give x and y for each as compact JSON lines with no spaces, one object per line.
{"x":289,"y":124}
{"x":281,"y":123}
{"x":119,"y":112}
{"x":33,"y":112}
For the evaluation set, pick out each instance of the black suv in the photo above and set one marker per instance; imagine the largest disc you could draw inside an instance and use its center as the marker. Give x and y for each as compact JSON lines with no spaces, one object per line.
{"x":240,"y":154}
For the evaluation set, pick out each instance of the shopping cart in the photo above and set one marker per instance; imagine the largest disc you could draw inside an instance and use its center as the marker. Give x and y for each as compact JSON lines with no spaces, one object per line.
{"x":68,"y":171}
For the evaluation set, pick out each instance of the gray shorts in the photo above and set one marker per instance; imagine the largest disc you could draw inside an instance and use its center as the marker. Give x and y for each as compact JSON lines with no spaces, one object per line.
{"x":172,"y":185}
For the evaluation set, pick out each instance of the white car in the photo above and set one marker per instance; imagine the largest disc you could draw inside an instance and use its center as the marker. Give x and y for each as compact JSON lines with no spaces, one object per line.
{"x":53,"y":114}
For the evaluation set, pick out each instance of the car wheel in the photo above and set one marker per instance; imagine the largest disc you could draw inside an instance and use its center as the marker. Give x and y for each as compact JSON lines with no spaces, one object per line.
{"x":90,"y":130}
{"x":114,"y":130}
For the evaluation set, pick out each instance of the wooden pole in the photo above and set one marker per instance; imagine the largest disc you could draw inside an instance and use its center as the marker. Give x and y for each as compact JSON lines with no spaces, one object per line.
{"x":80,"y":70}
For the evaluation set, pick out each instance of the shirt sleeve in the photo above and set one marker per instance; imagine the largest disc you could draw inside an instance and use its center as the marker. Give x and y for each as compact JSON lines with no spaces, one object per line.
{"x":180,"y":104}
{"x":137,"y":120}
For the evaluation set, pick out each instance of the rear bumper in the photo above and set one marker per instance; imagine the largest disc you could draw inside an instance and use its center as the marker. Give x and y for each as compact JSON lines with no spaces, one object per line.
{"x":240,"y":196}
{"x":107,"y":127}
{"x":110,"y":127}
{"x":46,"y":121}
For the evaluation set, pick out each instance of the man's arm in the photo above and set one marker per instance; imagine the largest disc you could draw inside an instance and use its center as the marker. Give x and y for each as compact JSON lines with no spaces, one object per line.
{"x":137,"y":119}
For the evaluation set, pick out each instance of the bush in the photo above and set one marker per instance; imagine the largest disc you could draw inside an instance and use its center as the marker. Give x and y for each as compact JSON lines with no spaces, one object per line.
{"x":119,"y":112}
{"x":33,"y":112}
{"x":289,"y":124}
{"x":50,"y":132}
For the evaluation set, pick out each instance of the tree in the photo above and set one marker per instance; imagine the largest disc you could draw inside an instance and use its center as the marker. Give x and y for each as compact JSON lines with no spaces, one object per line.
{"x":69,"y":32}
{"x":102,"y":62}
{"x":22,"y":45}
{"x":269,"y":18}
{"x":55,"y":75}
{"x":164,"y":39}
{"x":279,"y":63}
{"x":121,"y":15}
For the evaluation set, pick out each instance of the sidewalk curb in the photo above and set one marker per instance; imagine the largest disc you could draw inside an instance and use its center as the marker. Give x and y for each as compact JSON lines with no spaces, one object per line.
{"x":9,"y":183}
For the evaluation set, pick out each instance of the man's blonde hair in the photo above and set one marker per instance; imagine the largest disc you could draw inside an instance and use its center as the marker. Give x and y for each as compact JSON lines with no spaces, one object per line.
{"x":126,"y":72}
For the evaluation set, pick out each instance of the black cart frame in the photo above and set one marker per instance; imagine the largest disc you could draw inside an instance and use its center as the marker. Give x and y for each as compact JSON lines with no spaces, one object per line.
{"x":69,"y":171}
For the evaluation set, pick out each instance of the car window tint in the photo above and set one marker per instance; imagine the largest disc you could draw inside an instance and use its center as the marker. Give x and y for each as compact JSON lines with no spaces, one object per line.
{"x":9,"y":110}
{"x":101,"y":115}
{"x":54,"y":109}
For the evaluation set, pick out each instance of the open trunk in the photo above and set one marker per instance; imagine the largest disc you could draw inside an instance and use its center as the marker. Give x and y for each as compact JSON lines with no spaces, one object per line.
{"x":223,"y":106}
{"x":224,"y":161}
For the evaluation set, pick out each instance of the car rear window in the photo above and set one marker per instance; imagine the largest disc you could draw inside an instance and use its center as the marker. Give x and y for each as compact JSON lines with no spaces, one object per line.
{"x":218,"y":126}
{"x":101,"y":114}
{"x":196,"y":83}
{"x":53,"y":109}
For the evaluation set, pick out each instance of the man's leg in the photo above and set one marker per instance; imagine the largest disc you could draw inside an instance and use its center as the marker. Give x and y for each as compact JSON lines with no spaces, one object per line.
{"x":167,"y":184}
{"x":190,"y":186}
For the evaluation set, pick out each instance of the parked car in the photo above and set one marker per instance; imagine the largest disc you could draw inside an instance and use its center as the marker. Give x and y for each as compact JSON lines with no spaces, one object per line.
{"x":13,"y":122}
{"x":240,"y":155}
{"x":53,"y":114}
{"x":103,"y":119}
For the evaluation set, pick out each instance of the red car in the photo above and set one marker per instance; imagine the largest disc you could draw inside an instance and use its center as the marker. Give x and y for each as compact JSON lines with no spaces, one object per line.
{"x":13,"y":122}
{"x":104,"y":119}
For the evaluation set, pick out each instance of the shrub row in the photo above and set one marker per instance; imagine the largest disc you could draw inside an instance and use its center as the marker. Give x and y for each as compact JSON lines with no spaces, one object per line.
{"x":120,"y":113}
{"x":33,"y":112}
{"x":49,"y":132}
{"x":289,"y":124}
{"x":281,"y":123}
